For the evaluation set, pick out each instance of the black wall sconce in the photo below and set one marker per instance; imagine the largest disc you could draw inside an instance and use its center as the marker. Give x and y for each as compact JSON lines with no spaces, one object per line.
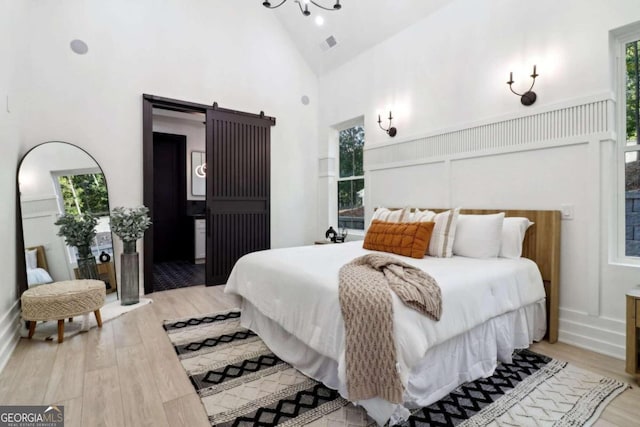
{"x":529,"y":97}
{"x":391,"y":131}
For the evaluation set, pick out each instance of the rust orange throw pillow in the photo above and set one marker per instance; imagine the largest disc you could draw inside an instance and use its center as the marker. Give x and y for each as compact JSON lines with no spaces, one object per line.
{"x":407,"y":239}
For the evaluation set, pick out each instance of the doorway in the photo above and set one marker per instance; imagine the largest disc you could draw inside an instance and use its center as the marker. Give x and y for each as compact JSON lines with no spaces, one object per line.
{"x":169,"y":198}
{"x":236,"y":209}
{"x":174,"y":265}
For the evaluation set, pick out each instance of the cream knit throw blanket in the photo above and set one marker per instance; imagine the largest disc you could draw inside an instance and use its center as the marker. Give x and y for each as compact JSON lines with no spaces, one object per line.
{"x":365,"y":300}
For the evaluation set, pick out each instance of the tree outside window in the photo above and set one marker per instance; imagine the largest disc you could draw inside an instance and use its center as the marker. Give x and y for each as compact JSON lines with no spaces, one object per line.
{"x":87,"y":193}
{"x":631,"y":149}
{"x":351,"y":178}
{"x":84,"y":194}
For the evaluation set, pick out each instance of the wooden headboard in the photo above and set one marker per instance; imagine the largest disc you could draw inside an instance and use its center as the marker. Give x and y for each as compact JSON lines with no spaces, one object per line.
{"x":541,"y":245}
{"x":41,"y":257}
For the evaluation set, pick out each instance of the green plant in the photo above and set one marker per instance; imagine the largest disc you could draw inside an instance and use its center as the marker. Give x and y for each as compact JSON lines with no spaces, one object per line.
{"x":84,"y":193}
{"x":130,"y":223}
{"x":77,"y":230}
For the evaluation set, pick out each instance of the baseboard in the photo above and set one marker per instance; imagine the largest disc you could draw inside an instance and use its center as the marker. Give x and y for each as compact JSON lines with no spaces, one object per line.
{"x":602,"y":335}
{"x":9,"y":333}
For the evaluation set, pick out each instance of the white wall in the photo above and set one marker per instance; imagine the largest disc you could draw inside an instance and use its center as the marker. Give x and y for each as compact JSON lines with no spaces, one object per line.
{"x":450,"y":68}
{"x":448,"y":73}
{"x":35,"y":171}
{"x":194,"y":131}
{"x":12,"y":41}
{"x":235,"y":53}
{"x":202,"y":51}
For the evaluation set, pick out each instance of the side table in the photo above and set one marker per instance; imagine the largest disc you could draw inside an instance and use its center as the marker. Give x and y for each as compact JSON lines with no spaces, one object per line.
{"x":633,"y":332}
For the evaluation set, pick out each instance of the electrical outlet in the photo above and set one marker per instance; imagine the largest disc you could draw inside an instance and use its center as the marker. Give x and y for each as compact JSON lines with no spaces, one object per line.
{"x":567,"y":212}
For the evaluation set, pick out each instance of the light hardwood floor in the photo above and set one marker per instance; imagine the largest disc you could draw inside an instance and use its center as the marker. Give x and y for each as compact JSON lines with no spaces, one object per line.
{"x":127,"y":374}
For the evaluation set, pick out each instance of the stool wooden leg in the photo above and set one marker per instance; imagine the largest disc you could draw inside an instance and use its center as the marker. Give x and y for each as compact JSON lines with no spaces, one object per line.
{"x":60,"y":330}
{"x":32,"y":328}
{"x":98,"y":318}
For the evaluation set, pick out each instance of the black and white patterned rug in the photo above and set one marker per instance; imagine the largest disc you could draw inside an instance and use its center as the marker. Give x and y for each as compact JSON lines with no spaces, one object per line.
{"x":241,"y":382}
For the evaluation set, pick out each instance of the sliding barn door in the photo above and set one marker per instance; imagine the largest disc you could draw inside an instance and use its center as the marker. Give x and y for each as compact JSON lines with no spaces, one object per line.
{"x":238,"y":188}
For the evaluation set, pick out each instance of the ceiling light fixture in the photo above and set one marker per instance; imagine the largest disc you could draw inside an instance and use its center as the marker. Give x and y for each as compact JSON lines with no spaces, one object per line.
{"x":304,"y":9}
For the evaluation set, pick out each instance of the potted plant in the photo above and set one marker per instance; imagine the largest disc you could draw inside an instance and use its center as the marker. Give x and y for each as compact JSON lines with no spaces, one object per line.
{"x":129,"y":224}
{"x":79,"y":231}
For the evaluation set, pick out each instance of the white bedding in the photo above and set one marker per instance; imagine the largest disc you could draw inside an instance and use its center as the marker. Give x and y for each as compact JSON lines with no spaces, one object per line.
{"x":466,"y":357}
{"x":298,"y":289}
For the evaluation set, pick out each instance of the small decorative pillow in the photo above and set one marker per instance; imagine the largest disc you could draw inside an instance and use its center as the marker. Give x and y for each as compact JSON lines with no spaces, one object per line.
{"x":408,"y":239}
{"x":478,"y":236}
{"x":513,"y":231}
{"x":387,"y":215}
{"x":444,"y":233}
{"x":31,"y":258}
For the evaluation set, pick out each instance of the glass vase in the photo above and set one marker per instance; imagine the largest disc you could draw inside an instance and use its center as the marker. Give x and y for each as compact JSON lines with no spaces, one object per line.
{"x":87,"y":266}
{"x":129,"y":246}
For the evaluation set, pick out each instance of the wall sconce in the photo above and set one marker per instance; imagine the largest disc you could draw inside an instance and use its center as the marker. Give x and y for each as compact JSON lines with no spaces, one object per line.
{"x":198,"y":173}
{"x":528,"y":97}
{"x":201,"y":170}
{"x":391,"y":131}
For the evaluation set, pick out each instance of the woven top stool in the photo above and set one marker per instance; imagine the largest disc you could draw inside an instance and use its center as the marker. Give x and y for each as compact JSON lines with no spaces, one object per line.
{"x":61,"y":300}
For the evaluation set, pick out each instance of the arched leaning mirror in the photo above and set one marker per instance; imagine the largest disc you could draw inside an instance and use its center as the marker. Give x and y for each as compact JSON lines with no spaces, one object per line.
{"x":64,"y":205}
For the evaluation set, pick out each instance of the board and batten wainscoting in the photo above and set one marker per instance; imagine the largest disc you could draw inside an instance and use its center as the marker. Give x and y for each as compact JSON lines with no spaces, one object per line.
{"x":541,"y":158}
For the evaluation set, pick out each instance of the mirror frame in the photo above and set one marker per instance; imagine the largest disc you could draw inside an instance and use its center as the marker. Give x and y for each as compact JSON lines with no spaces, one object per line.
{"x":21,"y":267}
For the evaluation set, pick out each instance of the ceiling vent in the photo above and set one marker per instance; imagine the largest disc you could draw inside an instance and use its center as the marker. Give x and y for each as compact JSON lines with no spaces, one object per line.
{"x":328,"y":43}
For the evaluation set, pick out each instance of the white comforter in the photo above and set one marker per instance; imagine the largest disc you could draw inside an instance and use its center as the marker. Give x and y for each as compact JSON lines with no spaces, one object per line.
{"x":298,"y":289}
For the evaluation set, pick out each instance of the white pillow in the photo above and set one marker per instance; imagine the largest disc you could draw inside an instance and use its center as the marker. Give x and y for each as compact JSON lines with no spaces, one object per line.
{"x":387,"y":215}
{"x":38,"y":276}
{"x":422,"y":216}
{"x":31,"y":258}
{"x":513,"y":231}
{"x":444,"y":233}
{"x":478,"y":236}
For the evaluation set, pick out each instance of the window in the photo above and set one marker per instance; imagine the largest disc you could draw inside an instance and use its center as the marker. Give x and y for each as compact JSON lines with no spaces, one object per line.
{"x":84,"y":193}
{"x":631,"y":148}
{"x":87,"y":193}
{"x":351,"y":178}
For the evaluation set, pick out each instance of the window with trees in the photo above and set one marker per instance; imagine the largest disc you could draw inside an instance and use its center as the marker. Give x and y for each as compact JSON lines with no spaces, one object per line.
{"x":351,"y":178}
{"x":631,"y":149}
{"x":84,"y":194}
{"x":87,"y":193}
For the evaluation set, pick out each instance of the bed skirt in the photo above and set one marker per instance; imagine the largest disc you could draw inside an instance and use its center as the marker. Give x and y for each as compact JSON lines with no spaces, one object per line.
{"x":466,"y":357}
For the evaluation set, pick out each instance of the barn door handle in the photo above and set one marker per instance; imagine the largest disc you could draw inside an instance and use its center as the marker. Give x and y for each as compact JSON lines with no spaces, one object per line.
{"x":208,"y":222}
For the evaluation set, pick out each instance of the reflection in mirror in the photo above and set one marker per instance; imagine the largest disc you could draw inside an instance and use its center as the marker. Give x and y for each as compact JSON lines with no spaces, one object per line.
{"x":198,"y":173}
{"x":58,"y":181}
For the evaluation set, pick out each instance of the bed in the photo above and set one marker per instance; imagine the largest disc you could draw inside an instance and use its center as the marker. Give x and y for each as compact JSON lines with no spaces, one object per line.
{"x":490,"y":307}
{"x":37,"y":267}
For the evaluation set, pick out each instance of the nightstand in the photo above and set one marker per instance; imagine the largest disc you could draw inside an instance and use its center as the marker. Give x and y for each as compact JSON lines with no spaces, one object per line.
{"x":633,"y":332}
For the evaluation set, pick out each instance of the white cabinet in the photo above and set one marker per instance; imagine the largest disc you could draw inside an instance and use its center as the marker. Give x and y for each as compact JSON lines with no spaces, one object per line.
{"x":200,"y":238}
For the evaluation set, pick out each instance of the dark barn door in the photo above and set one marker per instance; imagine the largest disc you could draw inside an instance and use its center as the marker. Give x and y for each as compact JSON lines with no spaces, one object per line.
{"x":238,"y":188}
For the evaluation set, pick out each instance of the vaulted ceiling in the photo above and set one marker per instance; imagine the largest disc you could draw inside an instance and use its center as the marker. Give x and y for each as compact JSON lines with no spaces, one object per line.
{"x":359,"y":25}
